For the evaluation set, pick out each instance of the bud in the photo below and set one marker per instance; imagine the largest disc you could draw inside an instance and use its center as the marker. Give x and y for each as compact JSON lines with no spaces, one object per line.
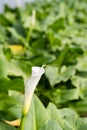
{"x":33,"y":17}
{"x":30,"y":86}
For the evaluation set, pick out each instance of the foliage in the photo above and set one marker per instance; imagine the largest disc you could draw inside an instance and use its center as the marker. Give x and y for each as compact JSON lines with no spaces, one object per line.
{"x":41,"y":118}
{"x":58,"y":39}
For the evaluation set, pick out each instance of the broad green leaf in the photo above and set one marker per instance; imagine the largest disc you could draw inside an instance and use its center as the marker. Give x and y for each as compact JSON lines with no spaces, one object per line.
{"x":19,"y":68}
{"x":80,"y":83}
{"x":80,"y":106}
{"x":61,"y":96}
{"x":55,"y":114}
{"x":58,"y":24}
{"x":11,"y":105}
{"x":42,"y":58}
{"x":6,"y":101}
{"x":4,"y":126}
{"x":37,"y":115}
{"x":67,"y":112}
{"x":13,"y":67}
{"x":4,"y":21}
{"x":11,"y":84}
{"x":10,"y":17}
{"x":82,"y":65}
{"x":55,"y":42}
{"x":76,"y":123}
{"x":49,"y":71}
{"x":17,"y":35}
{"x":66,"y":74}
{"x":51,"y":125}
{"x":63,"y":75}
{"x":59,"y":40}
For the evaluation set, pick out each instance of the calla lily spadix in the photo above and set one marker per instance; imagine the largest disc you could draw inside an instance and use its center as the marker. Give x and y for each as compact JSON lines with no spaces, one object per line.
{"x":30,"y":86}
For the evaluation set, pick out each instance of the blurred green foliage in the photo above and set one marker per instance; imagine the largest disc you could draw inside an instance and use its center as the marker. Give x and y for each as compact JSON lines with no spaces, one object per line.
{"x":59,"y":40}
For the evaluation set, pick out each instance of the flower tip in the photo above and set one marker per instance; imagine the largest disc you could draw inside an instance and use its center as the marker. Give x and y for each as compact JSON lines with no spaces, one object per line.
{"x":37,"y":71}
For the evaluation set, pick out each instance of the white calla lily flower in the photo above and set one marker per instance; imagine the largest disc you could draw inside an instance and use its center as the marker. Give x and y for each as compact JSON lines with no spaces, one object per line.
{"x":30,"y":86}
{"x":33,"y":17}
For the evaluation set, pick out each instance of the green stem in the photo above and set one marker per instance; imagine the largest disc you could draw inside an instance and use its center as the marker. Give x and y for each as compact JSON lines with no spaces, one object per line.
{"x":29,"y":34}
{"x":22,"y":122}
{"x":31,"y":27}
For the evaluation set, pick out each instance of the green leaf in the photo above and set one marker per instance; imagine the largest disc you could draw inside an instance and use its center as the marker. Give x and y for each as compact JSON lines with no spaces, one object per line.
{"x":4,"y":126}
{"x":54,"y":113}
{"x":80,"y":106}
{"x":13,"y":67}
{"x":37,"y":115}
{"x":11,"y":105}
{"x":58,"y":24}
{"x":3,"y":20}
{"x":49,"y":71}
{"x":19,"y":68}
{"x":17,"y":35}
{"x":51,"y":125}
{"x":42,"y":58}
{"x":80,"y":83}
{"x":76,"y":123}
{"x":11,"y":84}
{"x":65,"y":74}
{"x":67,"y":112}
{"x":82,"y":65}
{"x":61,"y":96}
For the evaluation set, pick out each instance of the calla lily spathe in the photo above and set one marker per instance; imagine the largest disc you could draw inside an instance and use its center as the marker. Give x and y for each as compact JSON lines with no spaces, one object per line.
{"x":30,"y":86}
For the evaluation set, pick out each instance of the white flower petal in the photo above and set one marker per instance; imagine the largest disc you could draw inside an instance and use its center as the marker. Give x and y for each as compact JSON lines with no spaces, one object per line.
{"x":37,"y":71}
{"x":30,"y":86}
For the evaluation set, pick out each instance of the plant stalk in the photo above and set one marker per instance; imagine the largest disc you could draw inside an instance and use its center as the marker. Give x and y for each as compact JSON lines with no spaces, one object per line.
{"x":29,"y":34}
{"x":32,"y":26}
{"x":22,"y":122}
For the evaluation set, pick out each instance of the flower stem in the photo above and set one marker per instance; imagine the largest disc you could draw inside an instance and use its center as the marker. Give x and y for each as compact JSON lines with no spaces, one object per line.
{"x":31,"y":26}
{"x":29,"y":34}
{"x":22,"y":122}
